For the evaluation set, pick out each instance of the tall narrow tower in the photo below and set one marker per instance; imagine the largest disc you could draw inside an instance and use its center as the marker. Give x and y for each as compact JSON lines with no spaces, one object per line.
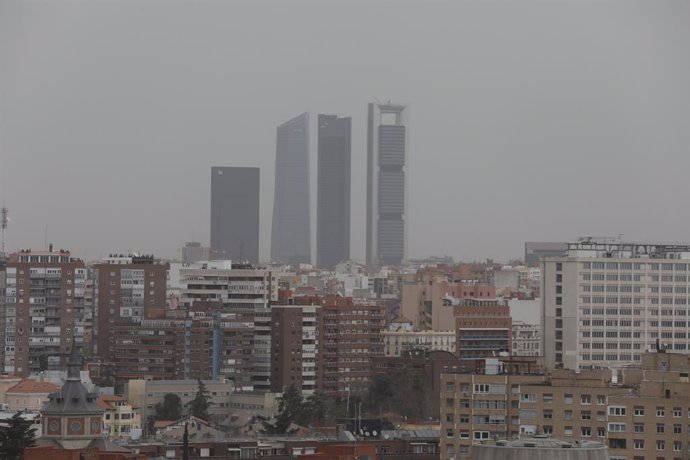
{"x":386,"y":187}
{"x":235,"y":213}
{"x":333,"y":191}
{"x":290,"y":235}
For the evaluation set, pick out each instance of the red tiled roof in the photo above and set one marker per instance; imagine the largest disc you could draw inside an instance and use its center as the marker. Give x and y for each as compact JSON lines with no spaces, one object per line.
{"x":33,"y":386}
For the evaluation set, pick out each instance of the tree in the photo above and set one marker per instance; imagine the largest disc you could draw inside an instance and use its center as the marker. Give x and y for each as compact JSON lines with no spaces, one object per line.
{"x":198,"y":407}
{"x":185,"y":443}
{"x":170,"y":408}
{"x":15,"y":437}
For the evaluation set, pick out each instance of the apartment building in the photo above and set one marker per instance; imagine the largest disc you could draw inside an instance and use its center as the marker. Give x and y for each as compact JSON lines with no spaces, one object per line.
{"x":3,"y":312}
{"x":350,"y":337}
{"x":483,"y":328}
{"x":44,"y":310}
{"x":605,"y":303}
{"x":400,"y":340}
{"x":232,"y":285}
{"x":639,"y":413}
{"x":120,"y":419}
{"x":295,"y":347}
{"x":244,"y":294}
{"x":126,"y":289}
{"x":526,"y":339}
{"x":425,"y":299}
{"x":150,"y":349}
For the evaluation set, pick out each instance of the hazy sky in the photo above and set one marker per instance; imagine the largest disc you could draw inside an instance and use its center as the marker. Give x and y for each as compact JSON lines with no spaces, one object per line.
{"x":530,"y":120}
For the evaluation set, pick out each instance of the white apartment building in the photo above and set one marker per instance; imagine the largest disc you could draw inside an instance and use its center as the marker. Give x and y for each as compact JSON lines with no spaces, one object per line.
{"x":526,"y":339}
{"x":395,"y":342}
{"x":220,"y":281}
{"x":606,"y":303}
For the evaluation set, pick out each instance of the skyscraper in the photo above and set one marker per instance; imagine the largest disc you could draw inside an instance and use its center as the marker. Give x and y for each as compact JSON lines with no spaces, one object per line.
{"x":333,"y":191}
{"x":235,"y":213}
{"x":291,"y":236}
{"x":386,"y":168}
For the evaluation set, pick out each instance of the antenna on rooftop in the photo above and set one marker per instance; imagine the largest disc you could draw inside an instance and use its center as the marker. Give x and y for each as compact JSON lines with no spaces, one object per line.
{"x":4,"y":220}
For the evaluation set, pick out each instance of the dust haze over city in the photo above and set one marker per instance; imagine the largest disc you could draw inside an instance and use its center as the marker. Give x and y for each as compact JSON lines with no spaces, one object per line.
{"x":528,"y":120}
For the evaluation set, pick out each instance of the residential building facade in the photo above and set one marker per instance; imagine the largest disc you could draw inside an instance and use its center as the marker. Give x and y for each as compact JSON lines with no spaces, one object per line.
{"x":639,"y":413}
{"x":127,"y":289}
{"x":44,"y":310}
{"x":295,"y":347}
{"x":605,"y":304}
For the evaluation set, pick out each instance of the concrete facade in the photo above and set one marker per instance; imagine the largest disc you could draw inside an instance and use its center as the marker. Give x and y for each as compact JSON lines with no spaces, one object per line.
{"x":605,"y":304}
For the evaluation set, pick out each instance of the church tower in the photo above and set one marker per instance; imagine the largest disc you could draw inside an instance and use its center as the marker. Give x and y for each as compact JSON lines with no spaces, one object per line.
{"x":72,"y":417}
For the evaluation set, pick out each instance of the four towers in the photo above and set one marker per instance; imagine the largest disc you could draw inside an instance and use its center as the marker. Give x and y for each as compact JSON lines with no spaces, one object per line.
{"x":235,"y":194}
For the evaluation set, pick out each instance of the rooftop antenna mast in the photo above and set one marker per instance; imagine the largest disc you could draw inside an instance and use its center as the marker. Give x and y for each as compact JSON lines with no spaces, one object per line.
{"x":4,"y":220}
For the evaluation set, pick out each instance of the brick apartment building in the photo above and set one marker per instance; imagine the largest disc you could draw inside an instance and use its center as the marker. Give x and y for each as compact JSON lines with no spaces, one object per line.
{"x":44,"y":309}
{"x":295,"y":355}
{"x":127,"y":289}
{"x":351,"y":336}
{"x":639,"y":413}
{"x":483,"y":328}
{"x":424,"y":299}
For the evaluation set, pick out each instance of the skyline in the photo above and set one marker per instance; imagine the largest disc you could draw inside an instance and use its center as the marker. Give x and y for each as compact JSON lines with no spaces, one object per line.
{"x":542,"y":122}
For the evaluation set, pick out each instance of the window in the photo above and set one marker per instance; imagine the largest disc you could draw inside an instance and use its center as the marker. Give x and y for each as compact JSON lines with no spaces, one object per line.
{"x":638,"y":428}
{"x":677,"y":412}
{"x":478,"y":435}
{"x":660,"y":412}
{"x":638,"y":411}
{"x":547,"y":414}
{"x":586,"y":399}
{"x":616,"y":427}
{"x":585,"y":432}
{"x":638,"y":444}
{"x":660,"y":445}
{"x":660,"y":428}
{"x":601,"y":400}
{"x":481,"y":388}
{"x":548,"y":398}
{"x":568,"y":399}
{"x":616,"y":410}
{"x":586,"y":415}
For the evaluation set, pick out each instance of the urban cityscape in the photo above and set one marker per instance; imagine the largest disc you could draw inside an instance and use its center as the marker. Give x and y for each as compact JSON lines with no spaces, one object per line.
{"x":316,"y":327}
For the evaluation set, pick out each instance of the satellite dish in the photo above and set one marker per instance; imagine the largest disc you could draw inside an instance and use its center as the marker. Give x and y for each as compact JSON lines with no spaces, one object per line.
{"x":374,"y":433}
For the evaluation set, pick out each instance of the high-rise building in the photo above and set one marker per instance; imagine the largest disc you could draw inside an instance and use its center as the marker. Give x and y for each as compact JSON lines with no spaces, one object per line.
{"x":3,"y":311}
{"x":194,"y":252}
{"x":351,"y":335}
{"x":386,"y":171}
{"x":333,"y":191}
{"x":605,"y":303}
{"x":294,"y":339}
{"x":291,"y":236}
{"x":44,"y":311}
{"x":235,"y":213}
{"x":127,"y":289}
{"x":244,"y":295}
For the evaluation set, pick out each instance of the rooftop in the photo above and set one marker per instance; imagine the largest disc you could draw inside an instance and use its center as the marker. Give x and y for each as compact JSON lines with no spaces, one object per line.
{"x":33,"y":386}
